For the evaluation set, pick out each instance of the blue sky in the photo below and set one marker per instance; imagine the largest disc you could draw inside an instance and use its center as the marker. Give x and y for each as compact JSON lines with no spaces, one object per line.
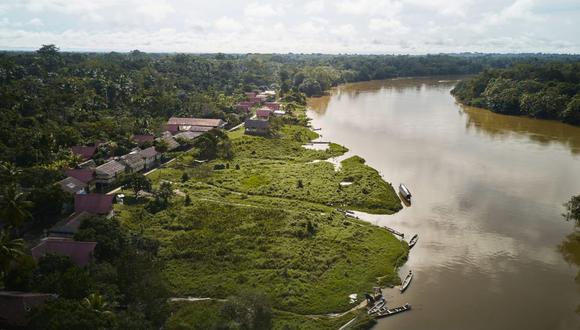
{"x":324,"y":26}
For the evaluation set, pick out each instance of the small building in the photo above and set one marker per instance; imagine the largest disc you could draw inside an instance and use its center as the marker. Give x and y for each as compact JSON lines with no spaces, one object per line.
{"x":80,"y":252}
{"x":108,"y":172}
{"x":250,"y":94}
{"x":15,"y":306}
{"x":70,"y":226}
{"x":150,"y":157}
{"x":279,"y":113}
{"x":142,"y":139}
{"x":257,"y":127}
{"x":179,"y":124}
{"x":263,"y":113}
{"x":272,"y":105}
{"x":188,"y":135}
{"x":85,"y":175}
{"x":133,"y":162}
{"x":85,"y":152}
{"x":73,"y":185}
{"x":170,"y":141}
{"x":255,"y":100}
{"x":101,"y":204}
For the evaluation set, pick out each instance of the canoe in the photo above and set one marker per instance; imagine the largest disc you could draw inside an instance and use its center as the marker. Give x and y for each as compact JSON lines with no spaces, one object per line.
{"x":407,"y":281}
{"x":389,"y":312}
{"x":413,"y":241}
{"x":377,"y":306}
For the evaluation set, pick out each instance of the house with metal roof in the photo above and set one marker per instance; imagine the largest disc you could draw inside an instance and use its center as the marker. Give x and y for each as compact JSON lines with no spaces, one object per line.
{"x":256,"y":127}
{"x":15,"y":307}
{"x":73,"y":185}
{"x":80,"y":252}
{"x":108,"y":172}
{"x":133,"y":162}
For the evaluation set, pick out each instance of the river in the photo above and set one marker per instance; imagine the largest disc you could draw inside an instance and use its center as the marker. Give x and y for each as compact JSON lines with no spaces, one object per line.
{"x":487,"y":192}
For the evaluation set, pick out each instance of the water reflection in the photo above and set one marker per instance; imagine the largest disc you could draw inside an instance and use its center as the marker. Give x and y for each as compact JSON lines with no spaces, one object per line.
{"x":487,"y":198}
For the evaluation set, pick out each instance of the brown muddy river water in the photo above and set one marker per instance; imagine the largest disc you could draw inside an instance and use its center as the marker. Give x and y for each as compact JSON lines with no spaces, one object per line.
{"x":487,"y":192}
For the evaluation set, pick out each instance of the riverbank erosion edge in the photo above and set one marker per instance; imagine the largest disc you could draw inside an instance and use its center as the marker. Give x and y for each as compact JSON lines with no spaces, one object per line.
{"x":268,"y":220}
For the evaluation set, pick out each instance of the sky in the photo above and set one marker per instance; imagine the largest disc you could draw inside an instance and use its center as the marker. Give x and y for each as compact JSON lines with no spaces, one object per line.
{"x":300,"y":26}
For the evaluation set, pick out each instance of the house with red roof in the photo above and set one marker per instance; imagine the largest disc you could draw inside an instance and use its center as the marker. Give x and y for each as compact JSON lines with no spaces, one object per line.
{"x":85,"y":152}
{"x":272,"y":105}
{"x":84,"y":175}
{"x":263,"y":113}
{"x":142,"y":139}
{"x":80,"y":253}
{"x":15,"y":306}
{"x":94,"y":203}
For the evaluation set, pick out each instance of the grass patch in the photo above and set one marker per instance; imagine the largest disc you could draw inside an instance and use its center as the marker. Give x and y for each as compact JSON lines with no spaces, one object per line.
{"x":268,"y":222}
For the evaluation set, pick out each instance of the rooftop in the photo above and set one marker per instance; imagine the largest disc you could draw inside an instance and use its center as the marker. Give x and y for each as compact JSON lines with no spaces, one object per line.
{"x":94,"y":203}
{"x":110,"y":168}
{"x":195,"y":122}
{"x":72,"y":185}
{"x":85,"y":152}
{"x":85,"y":175}
{"x":79,"y":252}
{"x":148,"y":153}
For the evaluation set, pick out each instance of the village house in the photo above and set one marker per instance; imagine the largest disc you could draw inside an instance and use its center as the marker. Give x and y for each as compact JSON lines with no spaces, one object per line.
{"x":245,"y":106}
{"x":15,"y":306}
{"x":263,"y":113}
{"x":177,"y":124}
{"x":169,"y":140}
{"x":143,"y":139}
{"x":256,"y":127}
{"x":85,"y":152}
{"x":84,"y":175}
{"x":101,"y":204}
{"x":250,"y":94}
{"x":80,"y":253}
{"x":133,"y":162}
{"x":150,"y":157}
{"x":188,"y":136}
{"x":272,"y":105}
{"x":108,"y":172}
{"x":70,"y":226}
{"x":72,"y":185}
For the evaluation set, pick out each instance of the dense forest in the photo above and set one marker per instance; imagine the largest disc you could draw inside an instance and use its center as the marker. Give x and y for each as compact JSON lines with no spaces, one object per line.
{"x":550,"y":91}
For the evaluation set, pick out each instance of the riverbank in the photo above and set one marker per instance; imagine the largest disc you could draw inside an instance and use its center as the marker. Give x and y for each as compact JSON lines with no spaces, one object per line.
{"x":268,"y":222}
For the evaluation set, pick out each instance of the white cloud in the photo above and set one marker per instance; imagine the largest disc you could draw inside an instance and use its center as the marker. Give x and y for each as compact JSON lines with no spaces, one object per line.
{"x":369,"y":7}
{"x":35,"y":22}
{"x":260,"y":10}
{"x":314,"y":7}
{"x":156,"y":10}
{"x":228,"y":24}
{"x":387,"y":25}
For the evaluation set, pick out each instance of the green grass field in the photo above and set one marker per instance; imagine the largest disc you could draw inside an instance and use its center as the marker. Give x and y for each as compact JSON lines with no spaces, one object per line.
{"x":256,"y":228}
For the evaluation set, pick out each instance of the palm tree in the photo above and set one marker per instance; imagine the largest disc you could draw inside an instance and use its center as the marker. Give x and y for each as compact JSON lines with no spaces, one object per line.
{"x":10,"y":251}
{"x":14,"y":207}
{"x":96,"y":303}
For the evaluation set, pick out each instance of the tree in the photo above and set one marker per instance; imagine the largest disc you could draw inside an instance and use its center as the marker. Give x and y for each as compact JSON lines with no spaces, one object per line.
{"x":573,"y":210}
{"x":68,"y":314}
{"x":187,"y":200}
{"x":572,"y":112}
{"x":248,"y":311}
{"x":138,"y":182}
{"x":14,"y":208}
{"x":165,"y":192}
{"x":95,"y":302}
{"x":107,"y":232}
{"x":10,"y":250}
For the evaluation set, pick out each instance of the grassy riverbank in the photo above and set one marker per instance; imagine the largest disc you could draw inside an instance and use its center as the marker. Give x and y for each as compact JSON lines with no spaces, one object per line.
{"x":268,"y":223}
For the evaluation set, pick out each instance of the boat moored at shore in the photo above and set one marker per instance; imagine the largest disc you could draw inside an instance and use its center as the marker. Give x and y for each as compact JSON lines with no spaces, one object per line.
{"x":407,"y":281}
{"x":413,"y":241}
{"x":405,"y":193}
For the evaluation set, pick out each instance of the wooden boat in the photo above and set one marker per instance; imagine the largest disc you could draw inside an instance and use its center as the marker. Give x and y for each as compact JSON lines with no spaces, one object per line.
{"x":405,"y":192}
{"x":384,"y":312}
{"x":392,"y":231}
{"x":407,"y":281}
{"x":377,"y":306}
{"x":413,"y":241}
